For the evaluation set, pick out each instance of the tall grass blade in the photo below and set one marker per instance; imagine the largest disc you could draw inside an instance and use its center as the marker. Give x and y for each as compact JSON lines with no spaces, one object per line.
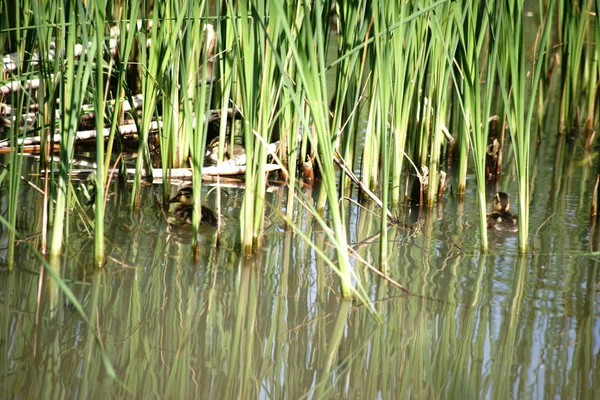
{"x":75,"y":80}
{"x":99,"y":10}
{"x":519,"y":118}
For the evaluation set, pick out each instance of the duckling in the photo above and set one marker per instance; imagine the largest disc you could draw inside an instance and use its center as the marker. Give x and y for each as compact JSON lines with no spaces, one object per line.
{"x":184,"y":216}
{"x":501,"y":218}
{"x":212,"y":151}
{"x":185,"y":210}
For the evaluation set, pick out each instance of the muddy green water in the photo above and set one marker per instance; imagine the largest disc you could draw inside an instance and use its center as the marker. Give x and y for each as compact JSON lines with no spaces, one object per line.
{"x":477,"y":325}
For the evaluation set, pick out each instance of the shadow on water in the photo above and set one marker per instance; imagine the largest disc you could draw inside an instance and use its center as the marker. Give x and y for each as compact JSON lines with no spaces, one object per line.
{"x":273,"y":326}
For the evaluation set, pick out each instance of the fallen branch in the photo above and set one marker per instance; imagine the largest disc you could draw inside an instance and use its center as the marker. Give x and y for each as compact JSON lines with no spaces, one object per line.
{"x":129,"y":129}
{"x":174,"y":173}
{"x":340,"y":163}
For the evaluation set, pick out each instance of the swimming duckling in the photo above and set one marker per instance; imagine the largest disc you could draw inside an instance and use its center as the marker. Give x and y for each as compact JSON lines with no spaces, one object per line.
{"x":184,"y":216}
{"x":185,"y":210}
{"x":212,"y":151}
{"x":501,"y":218}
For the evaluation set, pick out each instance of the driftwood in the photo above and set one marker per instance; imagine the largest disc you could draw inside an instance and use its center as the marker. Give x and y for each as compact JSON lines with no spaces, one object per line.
{"x":129,"y":129}
{"x":125,"y":130}
{"x":208,"y":173}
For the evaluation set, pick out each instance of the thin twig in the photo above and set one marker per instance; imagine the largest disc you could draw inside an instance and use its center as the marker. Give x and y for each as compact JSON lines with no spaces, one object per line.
{"x":342,"y":164}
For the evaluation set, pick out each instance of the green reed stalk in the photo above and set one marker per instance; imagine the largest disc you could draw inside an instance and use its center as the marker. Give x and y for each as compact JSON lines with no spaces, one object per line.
{"x":202,"y":90}
{"x":545,"y":80}
{"x":405,"y":39}
{"x":44,"y":35}
{"x":76,"y":79}
{"x":249,"y":70}
{"x":407,"y":57}
{"x":573,"y":19}
{"x":353,"y":21}
{"x":590,"y":80}
{"x":15,"y":164}
{"x":472,"y":23}
{"x":259,"y":84}
{"x":269,"y":89}
{"x":382,"y":98}
{"x":597,"y":41}
{"x":181,"y":79}
{"x":442,"y":47}
{"x":226,"y":69}
{"x":289,"y":125}
{"x":151,"y":74}
{"x":369,"y":158}
{"x":177,"y":113}
{"x":127,"y":33}
{"x":15,"y":159}
{"x":308,"y":53}
{"x":513,"y":93}
{"x":99,"y":10}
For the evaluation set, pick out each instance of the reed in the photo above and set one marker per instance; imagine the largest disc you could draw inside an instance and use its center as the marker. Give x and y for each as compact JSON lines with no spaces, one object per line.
{"x":591,"y":69}
{"x":125,"y":15}
{"x":14,"y":132}
{"x":257,"y":86}
{"x":408,"y":56}
{"x":513,"y":85}
{"x":197,"y":84}
{"x":99,"y":10}
{"x":308,"y":53}
{"x":394,"y":62}
{"x":382,"y":97}
{"x":153,"y":63}
{"x":14,"y":181}
{"x":353,"y":21}
{"x":442,"y":49}
{"x":573,"y":22}
{"x":476,"y":100}
{"x":594,"y":118}
{"x":73,"y":82}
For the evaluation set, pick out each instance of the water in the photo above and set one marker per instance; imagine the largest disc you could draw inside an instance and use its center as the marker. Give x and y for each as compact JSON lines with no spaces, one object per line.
{"x":474,"y":325}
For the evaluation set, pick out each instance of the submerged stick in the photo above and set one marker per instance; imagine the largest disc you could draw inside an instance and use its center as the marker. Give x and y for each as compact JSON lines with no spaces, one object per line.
{"x":365,"y":189}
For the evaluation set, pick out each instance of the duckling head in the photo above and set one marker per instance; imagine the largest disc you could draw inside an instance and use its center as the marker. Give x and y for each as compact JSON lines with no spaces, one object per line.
{"x":212,"y":150}
{"x":184,"y":196}
{"x":500,"y":202}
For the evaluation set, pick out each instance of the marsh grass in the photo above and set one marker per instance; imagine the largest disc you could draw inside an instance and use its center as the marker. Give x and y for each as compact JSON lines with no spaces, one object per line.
{"x":476,"y":99}
{"x":412,"y":75}
{"x":513,"y":86}
{"x":573,"y":27}
{"x":73,"y":82}
{"x":99,"y":18}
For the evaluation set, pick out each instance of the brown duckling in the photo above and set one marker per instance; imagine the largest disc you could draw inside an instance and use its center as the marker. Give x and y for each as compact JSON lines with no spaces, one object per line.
{"x":185,"y":210}
{"x":501,"y":218}
{"x":212,"y":151}
{"x":184,"y":216}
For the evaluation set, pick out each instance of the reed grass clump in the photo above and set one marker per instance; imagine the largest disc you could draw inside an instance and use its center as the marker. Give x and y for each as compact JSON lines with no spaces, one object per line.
{"x":404,"y":84}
